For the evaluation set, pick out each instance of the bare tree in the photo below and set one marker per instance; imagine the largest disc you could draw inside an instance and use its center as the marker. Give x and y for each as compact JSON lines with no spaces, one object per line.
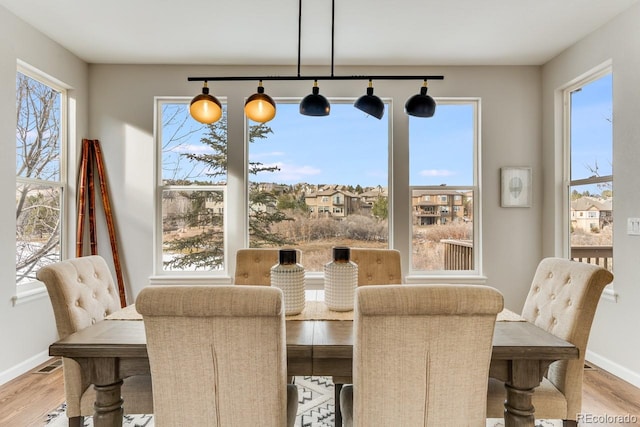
{"x":38,"y":190}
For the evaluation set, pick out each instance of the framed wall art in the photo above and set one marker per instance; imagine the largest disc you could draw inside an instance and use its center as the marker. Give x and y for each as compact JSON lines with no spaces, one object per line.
{"x":515,"y":187}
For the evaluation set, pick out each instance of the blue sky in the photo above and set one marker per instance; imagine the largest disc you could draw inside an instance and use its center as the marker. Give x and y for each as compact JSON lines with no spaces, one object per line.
{"x":349,"y":147}
{"x":591,"y":128}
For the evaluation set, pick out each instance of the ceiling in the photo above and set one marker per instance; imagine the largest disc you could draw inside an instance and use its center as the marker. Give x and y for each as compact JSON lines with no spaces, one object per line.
{"x":367,"y":32}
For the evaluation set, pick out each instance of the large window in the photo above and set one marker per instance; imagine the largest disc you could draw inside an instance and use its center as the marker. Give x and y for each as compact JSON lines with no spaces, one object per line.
{"x":40,"y":173}
{"x":444,"y":185}
{"x":318,"y":182}
{"x":590,"y":115}
{"x":191,"y":190}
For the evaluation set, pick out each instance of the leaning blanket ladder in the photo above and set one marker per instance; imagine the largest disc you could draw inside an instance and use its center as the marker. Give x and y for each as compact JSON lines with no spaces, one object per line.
{"x":92,"y":155}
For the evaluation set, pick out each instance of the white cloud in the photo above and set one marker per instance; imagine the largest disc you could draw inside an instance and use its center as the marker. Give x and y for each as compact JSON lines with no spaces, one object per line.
{"x":291,"y":173}
{"x":437,"y":172}
{"x":192,"y":149}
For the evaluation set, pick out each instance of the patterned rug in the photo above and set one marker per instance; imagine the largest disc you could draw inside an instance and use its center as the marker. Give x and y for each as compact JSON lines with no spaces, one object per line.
{"x":315,"y":409}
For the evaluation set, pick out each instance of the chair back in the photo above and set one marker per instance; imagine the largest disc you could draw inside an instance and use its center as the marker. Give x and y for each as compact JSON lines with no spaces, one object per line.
{"x":562,"y":300}
{"x":422,"y":354}
{"x":217,"y":354}
{"x":377,"y":266}
{"x":82,"y":292}
{"x":253,"y":265}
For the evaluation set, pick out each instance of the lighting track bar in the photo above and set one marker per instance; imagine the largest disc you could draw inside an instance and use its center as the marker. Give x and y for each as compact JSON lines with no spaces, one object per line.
{"x":292,"y":78}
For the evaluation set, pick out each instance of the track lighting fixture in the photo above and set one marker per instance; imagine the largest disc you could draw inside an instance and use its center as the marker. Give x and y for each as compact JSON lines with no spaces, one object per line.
{"x":315,"y":104}
{"x":421,"y":105}
{"x":260,"y":107}
{"x":370,"y":104}
{"x":205,"y":108}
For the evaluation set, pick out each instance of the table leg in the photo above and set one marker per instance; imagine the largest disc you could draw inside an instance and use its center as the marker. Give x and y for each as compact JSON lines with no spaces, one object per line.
{"x":518,"y":408}
{"x":336,"y":398}
{"x":108,"y":411}
{"x":524,"y":377}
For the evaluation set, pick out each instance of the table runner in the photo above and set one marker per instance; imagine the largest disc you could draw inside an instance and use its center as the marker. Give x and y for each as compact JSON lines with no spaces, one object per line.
{"x":313,"y":310}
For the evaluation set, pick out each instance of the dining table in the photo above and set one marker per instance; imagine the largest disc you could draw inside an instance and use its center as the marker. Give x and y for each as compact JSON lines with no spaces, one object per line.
{"x":319,"y":343}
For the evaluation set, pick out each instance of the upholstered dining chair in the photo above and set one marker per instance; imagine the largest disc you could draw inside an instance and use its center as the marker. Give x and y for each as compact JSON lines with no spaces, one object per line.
{"x":218,"y":355}
{"x":421,"y":355}
{"x":82,"y":292}
{"x":562,"y":299}
{"x":377,"y":266}
{"x":253,"y":265}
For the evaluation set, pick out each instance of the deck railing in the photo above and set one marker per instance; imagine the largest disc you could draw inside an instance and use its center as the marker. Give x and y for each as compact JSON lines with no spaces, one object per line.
{"x":597,"y":255}
{"x":458,"y":254}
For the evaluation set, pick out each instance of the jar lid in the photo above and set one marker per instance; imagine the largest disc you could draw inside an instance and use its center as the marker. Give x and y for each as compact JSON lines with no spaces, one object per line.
{"x":287,"y":256}
{"x":341,"y":253}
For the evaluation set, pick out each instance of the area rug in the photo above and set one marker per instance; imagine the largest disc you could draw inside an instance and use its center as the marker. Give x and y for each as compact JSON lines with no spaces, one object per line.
{"x":315,"y":409}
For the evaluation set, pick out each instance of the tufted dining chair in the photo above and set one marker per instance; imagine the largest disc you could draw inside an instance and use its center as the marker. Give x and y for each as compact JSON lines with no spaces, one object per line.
{"x":562,"y":299}
{"x":377,"y":266}
{"x":82,"y":292}
{"x":421,"y":355}
{"x":218,"y":355}
{"x":253,"y":265}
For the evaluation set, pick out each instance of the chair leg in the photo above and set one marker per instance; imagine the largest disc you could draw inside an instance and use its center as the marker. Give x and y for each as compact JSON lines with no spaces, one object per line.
{"x":76,"y":421}
{"x":569,"y":423}
{"x":336,"y":400}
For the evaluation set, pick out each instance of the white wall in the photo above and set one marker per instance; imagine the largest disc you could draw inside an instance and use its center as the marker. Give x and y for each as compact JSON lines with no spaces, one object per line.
{"x":614,"y":343}
{"x":28,"y":328}
{"x":121,"y":117}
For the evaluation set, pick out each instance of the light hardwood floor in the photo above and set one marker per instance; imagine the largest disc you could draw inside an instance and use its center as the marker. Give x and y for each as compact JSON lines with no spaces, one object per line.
{"x":26,"y":401}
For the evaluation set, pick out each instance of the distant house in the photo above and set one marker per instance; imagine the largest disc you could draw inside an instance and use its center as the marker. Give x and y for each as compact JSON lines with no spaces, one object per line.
{"x":369,"y":197}
{"x":590,"y":213}
{"x":332,"y":201}
{"x":439,"y":207}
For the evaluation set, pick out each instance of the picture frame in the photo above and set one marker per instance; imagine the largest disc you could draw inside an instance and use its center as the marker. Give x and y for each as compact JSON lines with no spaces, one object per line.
{"x":515,"y":187}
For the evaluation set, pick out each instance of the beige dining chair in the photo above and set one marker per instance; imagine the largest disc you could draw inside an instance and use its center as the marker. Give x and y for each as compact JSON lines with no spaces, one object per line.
{"x":218,"y":355}
{"x":253,"y":265}
{"x":82,"y":292}
{"x":377,"y":266}
{"x":421,"y":355}
{"x":562,"y":300}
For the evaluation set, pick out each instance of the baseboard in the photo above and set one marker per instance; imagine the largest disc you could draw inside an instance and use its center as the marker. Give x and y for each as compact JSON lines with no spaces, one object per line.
{"x":24,"y":367}
{"x":614,"y":368}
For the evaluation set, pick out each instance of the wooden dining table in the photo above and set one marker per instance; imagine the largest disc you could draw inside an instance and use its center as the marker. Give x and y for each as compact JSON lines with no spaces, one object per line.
{"x":112,"y":350}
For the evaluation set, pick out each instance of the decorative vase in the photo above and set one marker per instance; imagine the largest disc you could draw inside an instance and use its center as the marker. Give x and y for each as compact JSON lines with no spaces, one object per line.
{"x":340,"y":280}
{"x":288,"y":275}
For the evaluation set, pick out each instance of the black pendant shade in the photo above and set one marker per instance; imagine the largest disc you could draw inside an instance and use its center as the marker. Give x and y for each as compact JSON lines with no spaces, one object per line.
{"x":315,"y":104}
{"x":370,"y":103}
{"x":421,"y":105}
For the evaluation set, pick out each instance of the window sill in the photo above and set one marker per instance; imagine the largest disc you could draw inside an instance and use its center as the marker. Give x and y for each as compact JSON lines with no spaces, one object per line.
{"x":29,"y":292}
{"x":449,"y":278}
{"x":190,"y":280}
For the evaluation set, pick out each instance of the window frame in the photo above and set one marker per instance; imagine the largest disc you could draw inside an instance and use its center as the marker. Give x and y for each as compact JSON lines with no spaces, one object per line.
{"x":475,"y":275}
{"x":191,"y":277}
{"x":592,"y":75}
{"x":34,"y":288}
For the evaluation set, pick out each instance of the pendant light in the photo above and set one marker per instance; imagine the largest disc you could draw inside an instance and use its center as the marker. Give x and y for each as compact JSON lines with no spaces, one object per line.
{"x":260,"y":107}
{"x":205,"y":108}
{"x":315,"y":104}
{"x":370,"y":103}
{"x":421,"y":105}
